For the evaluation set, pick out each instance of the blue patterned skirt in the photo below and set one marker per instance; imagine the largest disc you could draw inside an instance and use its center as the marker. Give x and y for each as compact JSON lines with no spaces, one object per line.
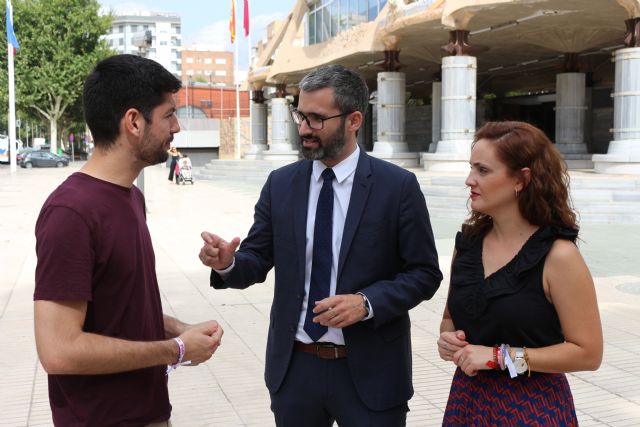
{"x":491,"y":398}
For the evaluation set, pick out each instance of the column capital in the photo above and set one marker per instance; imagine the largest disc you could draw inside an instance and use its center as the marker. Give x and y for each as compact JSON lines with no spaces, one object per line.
{"x":632,"y":36}
{"x":257,"y":96}
{"x":571,"y":63}
{"x":458,"y":44}
{"x":281,"y":90}
{"x":391,"y":61}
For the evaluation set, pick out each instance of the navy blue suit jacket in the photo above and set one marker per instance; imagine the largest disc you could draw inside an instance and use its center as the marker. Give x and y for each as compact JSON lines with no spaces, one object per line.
{"x":387,"y":252}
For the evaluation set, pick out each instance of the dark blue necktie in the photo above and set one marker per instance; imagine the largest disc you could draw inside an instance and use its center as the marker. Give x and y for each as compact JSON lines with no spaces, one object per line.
{"x":322,"y":255}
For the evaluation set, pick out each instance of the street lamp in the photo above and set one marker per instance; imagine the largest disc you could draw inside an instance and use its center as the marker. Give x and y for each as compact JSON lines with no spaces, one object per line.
{"x":143,"y":43}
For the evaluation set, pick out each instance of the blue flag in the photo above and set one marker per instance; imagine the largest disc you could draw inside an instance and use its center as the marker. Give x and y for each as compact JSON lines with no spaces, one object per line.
{"x":11,"y":36}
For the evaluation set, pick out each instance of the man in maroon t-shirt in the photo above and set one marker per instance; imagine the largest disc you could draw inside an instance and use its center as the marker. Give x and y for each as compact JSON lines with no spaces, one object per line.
{"x":100,"y":331}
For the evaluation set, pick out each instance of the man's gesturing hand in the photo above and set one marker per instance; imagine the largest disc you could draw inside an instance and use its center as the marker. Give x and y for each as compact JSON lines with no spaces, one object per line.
{"x":217,"y":253}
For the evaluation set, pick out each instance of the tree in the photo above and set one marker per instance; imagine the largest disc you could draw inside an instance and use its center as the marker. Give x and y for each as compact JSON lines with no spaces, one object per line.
{"x":59,"y":45}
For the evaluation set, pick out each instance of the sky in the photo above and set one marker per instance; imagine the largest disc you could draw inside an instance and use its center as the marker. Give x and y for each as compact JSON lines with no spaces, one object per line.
{"x":207,"y":21}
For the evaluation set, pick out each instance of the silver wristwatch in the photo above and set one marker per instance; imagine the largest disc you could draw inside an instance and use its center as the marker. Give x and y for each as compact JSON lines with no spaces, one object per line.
{"x":519,"y":361}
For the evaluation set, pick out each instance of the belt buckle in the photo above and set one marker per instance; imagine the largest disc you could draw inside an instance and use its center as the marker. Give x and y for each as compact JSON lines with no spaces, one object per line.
{"x":320,"y":347}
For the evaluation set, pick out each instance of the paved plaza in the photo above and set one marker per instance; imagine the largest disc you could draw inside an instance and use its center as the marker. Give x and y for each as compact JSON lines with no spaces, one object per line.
{"x":229,"y":390}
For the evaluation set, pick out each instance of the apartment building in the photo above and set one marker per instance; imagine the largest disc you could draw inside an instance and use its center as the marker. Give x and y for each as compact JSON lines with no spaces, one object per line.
{"x":165,"y":31}
{"x":207,"y":66}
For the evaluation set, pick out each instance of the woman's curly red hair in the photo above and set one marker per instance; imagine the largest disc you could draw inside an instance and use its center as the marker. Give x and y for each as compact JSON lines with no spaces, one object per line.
{"x":545,"y":199}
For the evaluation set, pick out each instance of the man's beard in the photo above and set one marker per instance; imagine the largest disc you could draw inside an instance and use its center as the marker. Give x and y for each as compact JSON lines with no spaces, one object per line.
{"x":150,"y":152}
{"x":327,"y":149}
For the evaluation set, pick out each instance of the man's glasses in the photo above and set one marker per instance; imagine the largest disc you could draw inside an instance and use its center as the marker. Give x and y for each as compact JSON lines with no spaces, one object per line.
{"x":313,"y":121}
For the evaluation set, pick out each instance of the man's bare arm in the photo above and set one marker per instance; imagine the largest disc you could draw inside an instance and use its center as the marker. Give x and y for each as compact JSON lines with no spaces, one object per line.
{"x":64,"y":348}
{"x":173,"y":327}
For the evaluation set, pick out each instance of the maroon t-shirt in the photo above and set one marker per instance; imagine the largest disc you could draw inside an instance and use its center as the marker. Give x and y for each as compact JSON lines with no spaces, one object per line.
{"x":93,"y":245}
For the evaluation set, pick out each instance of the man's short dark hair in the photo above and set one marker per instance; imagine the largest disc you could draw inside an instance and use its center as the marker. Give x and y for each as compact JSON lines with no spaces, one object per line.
{"x":349,"y":88}
{"x":119,"y":83}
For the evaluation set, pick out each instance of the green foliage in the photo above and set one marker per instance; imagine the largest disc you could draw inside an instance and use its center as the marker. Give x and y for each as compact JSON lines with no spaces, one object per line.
{"x":59,"y":45}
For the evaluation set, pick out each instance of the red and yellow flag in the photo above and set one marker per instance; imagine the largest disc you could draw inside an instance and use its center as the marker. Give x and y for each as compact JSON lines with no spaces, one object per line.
{"x":232,"y":23}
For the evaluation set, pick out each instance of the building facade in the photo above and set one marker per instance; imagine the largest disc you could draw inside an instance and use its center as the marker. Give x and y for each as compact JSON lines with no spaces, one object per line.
{"x":438,"y":69}
{"x":197,"y":100}
{"x":207,"y":66}
{"x":165,"y":31}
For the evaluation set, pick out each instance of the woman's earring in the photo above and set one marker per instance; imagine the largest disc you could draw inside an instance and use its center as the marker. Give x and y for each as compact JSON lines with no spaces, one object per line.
{"x":516,"y":190}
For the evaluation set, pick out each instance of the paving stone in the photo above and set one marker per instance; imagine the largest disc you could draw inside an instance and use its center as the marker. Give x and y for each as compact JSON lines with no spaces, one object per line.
{"x":229,"y":390}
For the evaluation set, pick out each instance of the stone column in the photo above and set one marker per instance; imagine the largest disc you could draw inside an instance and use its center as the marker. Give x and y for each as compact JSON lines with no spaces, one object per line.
{"x":436,"y":114}
{"x":458,"y":107}
{"x":390,"y":137}
{"x":258,"y":126}
{"x":294,"y":134}
{"x":281,"y":146}
{"x":390,"y":141}
{"x":571,"y":106}
{"x":623,"y":155}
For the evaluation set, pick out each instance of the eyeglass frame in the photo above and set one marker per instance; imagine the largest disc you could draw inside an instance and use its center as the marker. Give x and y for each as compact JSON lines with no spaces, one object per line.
{"x":294,"y":112}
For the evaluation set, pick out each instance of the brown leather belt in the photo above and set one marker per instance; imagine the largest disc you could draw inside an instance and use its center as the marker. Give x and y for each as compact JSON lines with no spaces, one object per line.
{"x":322,"y":350}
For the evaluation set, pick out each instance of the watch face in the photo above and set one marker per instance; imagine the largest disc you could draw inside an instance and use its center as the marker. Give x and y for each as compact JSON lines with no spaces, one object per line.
{"x":521,"y":366}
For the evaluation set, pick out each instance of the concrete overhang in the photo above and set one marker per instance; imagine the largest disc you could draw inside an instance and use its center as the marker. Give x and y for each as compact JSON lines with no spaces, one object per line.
{"x":520,"y":44}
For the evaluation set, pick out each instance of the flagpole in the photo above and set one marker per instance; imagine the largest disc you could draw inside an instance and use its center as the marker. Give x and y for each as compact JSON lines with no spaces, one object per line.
{"x":246,"y":23}
{"x":237,"y":84}
{"x":12,"y":103}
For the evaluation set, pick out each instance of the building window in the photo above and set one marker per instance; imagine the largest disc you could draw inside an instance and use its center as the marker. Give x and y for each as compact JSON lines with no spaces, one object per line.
{"x":221,"y":60}
{"x":221,"y":73}
{"x":207,"y":60}
{"x":189,"y":60}
{"x":163,"y":43}
{"x":327,"y":18}
{"x":205,"y":103}
{"x":120,"y":28}
{"x":134,"y":28}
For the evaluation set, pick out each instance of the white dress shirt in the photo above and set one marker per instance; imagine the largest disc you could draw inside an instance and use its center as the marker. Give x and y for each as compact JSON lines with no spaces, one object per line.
{"x":342,"y":184}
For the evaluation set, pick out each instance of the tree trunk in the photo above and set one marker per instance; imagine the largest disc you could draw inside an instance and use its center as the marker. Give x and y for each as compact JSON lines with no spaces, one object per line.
{"x":53,"y":131}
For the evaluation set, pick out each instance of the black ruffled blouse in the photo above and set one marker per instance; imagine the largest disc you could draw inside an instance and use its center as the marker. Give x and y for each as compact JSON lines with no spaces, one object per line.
{"x":508,"y":306}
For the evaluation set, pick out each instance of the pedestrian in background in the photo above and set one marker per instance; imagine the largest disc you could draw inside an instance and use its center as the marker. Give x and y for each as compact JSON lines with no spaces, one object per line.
{"x":175,"y":156}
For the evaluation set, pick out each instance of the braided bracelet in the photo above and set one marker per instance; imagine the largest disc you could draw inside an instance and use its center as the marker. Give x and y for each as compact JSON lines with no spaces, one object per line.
{"x":180,"y":356}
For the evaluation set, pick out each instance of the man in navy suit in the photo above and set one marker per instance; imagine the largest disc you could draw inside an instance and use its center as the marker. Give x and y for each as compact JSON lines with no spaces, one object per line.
{"x":353,"y":250}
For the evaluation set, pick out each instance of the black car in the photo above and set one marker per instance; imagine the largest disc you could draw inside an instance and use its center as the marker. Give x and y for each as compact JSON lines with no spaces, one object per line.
{"x":23,"y":152}
{"x":43,"y":159}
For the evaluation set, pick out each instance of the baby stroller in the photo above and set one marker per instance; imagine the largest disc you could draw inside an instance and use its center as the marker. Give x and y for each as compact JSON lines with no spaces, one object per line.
{"x":183,"y":171}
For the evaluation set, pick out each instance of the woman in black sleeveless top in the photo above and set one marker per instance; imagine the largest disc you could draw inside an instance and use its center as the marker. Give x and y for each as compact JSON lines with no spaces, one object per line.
{"x":522,"y":308}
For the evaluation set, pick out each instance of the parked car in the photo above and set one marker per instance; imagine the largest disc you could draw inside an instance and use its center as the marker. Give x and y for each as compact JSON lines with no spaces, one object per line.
{"x":23,"y":152}
{"x":43,"y":159}
{"x":47,"y":147}
{"x":77,"y":155}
